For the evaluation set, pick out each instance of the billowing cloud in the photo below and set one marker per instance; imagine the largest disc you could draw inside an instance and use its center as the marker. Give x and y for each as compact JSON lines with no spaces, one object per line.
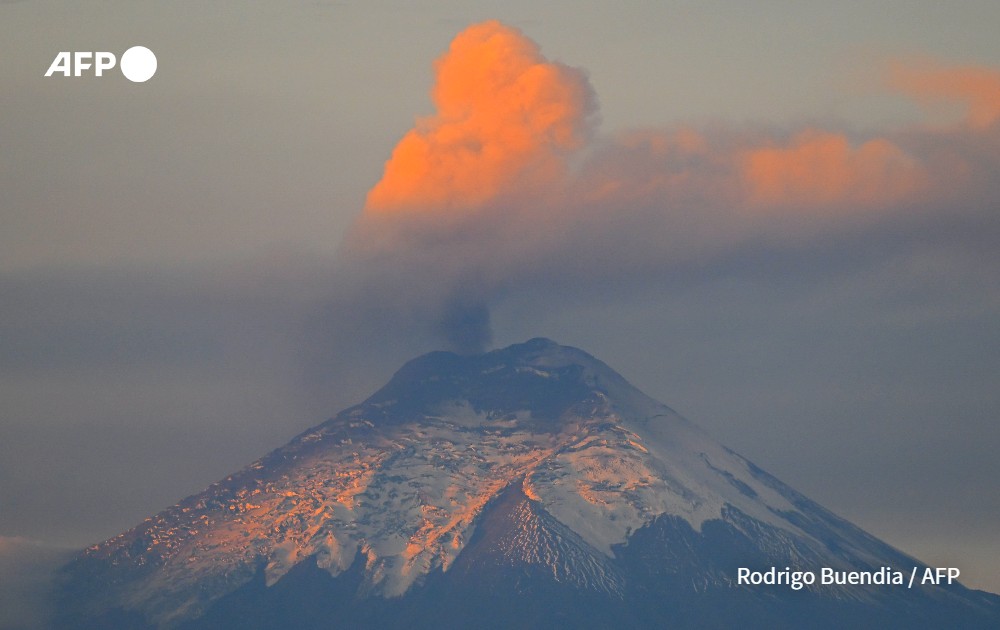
{"x":508,"y":185}
{"x":506,"y":119}
{"x":822,"y":169}
{"x":976,"y":87}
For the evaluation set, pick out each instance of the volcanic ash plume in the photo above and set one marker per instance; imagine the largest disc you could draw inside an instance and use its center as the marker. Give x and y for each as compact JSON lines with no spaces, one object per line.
{"x":428,"y":243}
{"x":507,"y":188}
{"x":506,"y":119}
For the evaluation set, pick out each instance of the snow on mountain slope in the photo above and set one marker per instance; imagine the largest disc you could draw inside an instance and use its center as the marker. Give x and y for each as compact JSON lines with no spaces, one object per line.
{"x":558,"y":452}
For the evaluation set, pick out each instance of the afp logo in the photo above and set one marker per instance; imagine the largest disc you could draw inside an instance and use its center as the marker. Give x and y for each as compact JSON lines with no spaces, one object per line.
{"x":138,"y":64}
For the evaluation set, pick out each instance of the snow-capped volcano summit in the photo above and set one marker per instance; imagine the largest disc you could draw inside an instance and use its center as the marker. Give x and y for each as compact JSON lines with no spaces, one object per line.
{"x":528,"y":486}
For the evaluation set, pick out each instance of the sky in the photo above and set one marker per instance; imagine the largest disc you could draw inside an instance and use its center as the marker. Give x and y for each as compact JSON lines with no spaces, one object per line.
{"x":781,"y":219}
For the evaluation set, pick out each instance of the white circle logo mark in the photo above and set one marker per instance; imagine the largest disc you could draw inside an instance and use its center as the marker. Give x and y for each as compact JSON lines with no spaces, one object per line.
{"x":138,"y":64}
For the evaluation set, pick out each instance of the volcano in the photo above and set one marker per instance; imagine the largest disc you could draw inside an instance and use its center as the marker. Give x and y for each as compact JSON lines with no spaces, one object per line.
{"x":528,"y":487}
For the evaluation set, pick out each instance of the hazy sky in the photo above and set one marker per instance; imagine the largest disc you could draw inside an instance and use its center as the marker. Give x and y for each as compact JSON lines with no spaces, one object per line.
{"x":780,"y":218}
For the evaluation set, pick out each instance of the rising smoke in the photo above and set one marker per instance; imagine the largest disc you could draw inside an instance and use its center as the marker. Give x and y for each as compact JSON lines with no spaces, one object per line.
{"x":508,"y":184}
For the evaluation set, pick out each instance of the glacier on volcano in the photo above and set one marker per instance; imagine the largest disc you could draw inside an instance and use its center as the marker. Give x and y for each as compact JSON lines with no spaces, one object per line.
{"x":524,"y":487}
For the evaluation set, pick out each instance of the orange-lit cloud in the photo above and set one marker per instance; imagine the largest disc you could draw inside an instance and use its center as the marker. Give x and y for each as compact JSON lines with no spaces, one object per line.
{"x":505,"y":117}
{"x":507,"y":186}
{"x":975,"y":86}
{"x":820,"y":169}
{"x":648,"y":163}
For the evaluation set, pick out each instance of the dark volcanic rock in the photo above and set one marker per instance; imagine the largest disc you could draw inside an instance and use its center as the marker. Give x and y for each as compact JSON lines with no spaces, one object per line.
{"x":529,"y":487}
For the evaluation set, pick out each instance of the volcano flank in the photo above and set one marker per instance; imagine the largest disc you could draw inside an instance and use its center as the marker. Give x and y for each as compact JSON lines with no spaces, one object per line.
{"x":530,"y":486}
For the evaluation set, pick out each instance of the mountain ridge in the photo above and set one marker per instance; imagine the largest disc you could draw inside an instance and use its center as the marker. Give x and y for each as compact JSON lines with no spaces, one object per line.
{"x":580,"y":485}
